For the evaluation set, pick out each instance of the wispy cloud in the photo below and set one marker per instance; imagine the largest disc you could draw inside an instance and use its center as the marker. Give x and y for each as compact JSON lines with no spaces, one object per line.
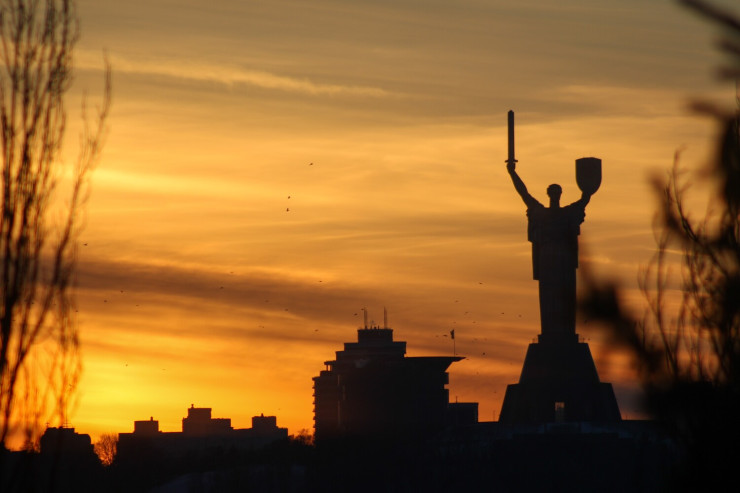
{"x":230,"y":76}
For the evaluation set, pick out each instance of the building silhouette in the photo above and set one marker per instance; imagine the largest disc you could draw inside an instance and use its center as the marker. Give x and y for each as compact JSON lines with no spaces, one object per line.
{"x":66,"y":441}
{"x":66,"y":463}
{"x":373,"y":388}
{"x":383,"y":423}
{"x":200,"y":432}
{"x":200,"y":423}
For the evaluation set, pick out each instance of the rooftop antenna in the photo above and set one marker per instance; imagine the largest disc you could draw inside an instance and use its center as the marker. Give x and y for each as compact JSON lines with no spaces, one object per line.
{"x":364,"y":311}
{"x":385,"y":318}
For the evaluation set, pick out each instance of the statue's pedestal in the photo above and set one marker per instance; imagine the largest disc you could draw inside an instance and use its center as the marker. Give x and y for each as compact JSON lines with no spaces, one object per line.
{"x":559,"y":382}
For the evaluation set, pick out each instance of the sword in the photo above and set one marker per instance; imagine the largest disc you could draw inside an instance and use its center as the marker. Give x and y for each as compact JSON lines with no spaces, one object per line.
{"x":511,"y":159}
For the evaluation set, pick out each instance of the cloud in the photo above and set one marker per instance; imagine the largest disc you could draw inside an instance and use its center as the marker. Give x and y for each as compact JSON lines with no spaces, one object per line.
{"x":282,"y":296}
{"x":221,"y":74}
{"x":204,"y":303}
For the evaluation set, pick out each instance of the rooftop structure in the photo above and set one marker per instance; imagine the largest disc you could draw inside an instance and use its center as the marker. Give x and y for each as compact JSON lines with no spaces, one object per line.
{"x":200,"y":423}
{"x":149,"y":427}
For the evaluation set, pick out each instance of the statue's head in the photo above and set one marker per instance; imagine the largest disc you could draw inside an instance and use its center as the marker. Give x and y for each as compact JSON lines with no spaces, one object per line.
{"x":554,"y":191}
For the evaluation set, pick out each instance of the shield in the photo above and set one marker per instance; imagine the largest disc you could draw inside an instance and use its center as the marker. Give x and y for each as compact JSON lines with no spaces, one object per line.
{"x":588,"y":174}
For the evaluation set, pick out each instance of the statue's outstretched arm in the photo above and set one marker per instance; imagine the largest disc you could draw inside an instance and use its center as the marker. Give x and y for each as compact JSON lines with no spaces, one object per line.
{"x":584,"y":200}
{"x":520,"y":187}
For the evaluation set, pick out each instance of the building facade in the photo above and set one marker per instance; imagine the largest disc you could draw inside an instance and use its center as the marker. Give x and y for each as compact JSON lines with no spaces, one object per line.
{"x":372,"y":388}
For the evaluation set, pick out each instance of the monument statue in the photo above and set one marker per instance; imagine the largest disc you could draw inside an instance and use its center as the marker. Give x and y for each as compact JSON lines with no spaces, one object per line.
{"x":559,"y":381}
{"x":553,"y":232}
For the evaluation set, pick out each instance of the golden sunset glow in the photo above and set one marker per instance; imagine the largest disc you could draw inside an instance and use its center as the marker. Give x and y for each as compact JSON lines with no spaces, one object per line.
{"x":272,"y":167}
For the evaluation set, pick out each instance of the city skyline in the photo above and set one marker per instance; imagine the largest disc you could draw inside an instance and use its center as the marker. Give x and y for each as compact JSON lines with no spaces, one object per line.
{"x":273,"y":168}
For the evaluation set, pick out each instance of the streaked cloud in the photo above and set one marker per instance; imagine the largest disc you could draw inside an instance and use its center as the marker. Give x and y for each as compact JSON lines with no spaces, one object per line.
{"x":275,"y":166}
{"x":221,"y":74}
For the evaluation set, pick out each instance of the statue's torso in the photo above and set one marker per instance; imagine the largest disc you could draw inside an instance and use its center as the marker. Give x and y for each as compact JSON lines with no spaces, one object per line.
{"x":554,"y":236}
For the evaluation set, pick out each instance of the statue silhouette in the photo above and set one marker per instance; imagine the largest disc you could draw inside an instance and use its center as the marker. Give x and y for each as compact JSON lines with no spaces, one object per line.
{"x":559,"y":381}
{"x":554,"y":232}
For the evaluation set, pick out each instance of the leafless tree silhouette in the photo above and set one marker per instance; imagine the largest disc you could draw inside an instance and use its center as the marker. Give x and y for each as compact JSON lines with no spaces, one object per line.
{"x":304,"y":437}
{"x":687,"y":347}
{"x":39,"y":364}
{"x":106,"y":448}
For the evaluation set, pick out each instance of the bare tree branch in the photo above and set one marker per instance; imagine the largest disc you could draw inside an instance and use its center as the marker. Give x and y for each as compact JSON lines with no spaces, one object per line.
{"x":39,"y":340}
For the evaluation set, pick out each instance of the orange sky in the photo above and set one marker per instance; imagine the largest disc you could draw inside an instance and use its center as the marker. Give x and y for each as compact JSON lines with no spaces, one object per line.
{"x":221,"y":268}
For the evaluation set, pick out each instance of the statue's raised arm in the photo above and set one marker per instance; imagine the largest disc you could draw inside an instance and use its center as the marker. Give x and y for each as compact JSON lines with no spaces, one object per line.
{"x":520,"y":187}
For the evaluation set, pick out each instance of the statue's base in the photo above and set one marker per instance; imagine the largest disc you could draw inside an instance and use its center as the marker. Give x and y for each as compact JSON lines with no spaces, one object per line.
{"x":557,"y":338}
{"x":559,"y":382}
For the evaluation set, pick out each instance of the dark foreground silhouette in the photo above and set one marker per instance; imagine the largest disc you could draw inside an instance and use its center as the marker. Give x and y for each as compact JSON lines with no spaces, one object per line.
{"x":484,"y":456}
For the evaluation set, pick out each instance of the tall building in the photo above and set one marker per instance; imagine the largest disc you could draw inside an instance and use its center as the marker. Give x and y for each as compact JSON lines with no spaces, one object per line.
{"x":372,"y":388}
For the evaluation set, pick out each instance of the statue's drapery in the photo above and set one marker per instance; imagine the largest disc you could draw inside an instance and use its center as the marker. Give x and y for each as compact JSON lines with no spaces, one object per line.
{"x":554,"y":236}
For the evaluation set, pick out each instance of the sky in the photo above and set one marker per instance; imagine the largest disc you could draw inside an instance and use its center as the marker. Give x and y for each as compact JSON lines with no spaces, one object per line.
{"x":273,"y":167}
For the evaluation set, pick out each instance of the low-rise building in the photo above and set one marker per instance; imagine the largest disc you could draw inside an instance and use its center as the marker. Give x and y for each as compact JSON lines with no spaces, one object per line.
{"x":200,"y":432}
